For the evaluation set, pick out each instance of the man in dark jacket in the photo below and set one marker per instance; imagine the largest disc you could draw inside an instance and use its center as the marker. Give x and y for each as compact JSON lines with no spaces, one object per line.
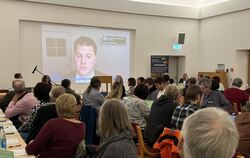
{"x":161,"y":114}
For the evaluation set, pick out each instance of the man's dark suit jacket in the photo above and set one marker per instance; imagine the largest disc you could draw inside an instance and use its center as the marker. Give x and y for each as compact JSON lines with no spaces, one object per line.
{"x":44,"y":114}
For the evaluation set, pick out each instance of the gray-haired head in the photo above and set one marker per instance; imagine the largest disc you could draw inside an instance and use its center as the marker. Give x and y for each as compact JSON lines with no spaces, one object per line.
{"x":119,"y":79}
{"x":209,"y":133}
{"x":237,"y":82}
{"x":205,"y":82}
{"x":57,"y":91}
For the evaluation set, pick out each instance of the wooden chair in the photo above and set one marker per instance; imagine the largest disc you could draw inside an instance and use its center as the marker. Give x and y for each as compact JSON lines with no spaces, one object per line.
{"x":144,"y":150}
{"x":237,"y":109}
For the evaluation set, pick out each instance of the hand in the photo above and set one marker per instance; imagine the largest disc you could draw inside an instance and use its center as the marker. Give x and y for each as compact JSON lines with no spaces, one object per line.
{"x":180,"y":100}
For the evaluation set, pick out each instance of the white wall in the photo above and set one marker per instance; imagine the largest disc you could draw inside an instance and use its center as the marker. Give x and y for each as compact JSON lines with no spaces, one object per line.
{"x":220,"y":38}
{"x":153,"y":35}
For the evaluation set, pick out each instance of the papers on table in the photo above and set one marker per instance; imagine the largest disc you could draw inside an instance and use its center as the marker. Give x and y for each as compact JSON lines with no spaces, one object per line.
{"x":9,"y":129}
{"x":13,"y":141}
{"x":19,"y":152}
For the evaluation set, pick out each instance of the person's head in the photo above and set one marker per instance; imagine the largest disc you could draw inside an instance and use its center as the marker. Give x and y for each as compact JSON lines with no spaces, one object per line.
{"x":46,"y":79}
{"x":66,"y":83}
{"x":18,"y":86}
{"x":166,"y":77}
{"x":209,"y":133}
{"x":216,"y":78}
{"x":113,"y":119}
{"x":140,"y":81}
{"x":205,"y":85}
{"x":149,"y":83}
{"x":172,"y":92}
{"x":192,"y":81}
{"x":160,"y":83}
{"x":56,"y":91}
{"x":171,"y":81}
{"x":18,"y":76}
{"x":131,"y":81}
{"x":41,"y":91}
{"x":118,"y":78}
{"x":141,"y":92}
{"x":85,"y":55}
{"x":237,"y":82}
{"x":185,"y":76}
{"x":193,"y":94}
{"x":215,"y":84}
{"x":94,"y":83}
{"x":116,"y":91}
{"x":247,"y":106}
{"x":66,"y":105}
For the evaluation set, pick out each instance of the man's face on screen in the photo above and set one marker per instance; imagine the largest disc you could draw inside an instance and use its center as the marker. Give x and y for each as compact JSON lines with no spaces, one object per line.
{"x":84,"y":59}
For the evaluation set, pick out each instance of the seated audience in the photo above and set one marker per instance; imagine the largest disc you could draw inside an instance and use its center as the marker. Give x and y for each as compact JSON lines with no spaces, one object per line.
{"x":45,"y":113}
{"x":236,"y":95}
{"x":6,"y":100}
{"x":152,"y":90}
{"x":116,"y":91}
{"x":119,"y":79}
{"x":46,"y":79}
{"x":221,"y":86}
{"x":191,"y":82}
{"x":215,"y":84}
{"x":193,"y":98}
{"x":137,"y":108}
{"x":161,"y":114}
{"x":41,"y":92}
{"x":115,"y":131}
{"x":213,"y":98}
{"x":160,"y":84}
{"x":22,"y":103}
{"x":140,"y":81}
{"x":18,"y":76}
{"x":243,"y":124}
{"x":66,"y":84}
{"x":59,"y":137}
{"x":184,"y":79}
{"x":208,"y":133}
{"x":92,"y":96}
{"x":131,"y":86}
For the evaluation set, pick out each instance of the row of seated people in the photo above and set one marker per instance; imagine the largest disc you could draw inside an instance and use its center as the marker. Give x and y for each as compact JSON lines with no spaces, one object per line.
{"x":92,"y":97}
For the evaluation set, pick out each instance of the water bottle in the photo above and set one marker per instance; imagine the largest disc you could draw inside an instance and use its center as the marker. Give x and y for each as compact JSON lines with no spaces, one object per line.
{"x":2,"y":139}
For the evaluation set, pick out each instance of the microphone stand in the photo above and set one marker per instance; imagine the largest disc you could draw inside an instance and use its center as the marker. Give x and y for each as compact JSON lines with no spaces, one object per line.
{"x":35,"y":69}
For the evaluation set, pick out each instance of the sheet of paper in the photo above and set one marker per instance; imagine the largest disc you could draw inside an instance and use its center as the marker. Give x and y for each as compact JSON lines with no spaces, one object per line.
{"x":12,"y":141}
{"x":19,"y":152}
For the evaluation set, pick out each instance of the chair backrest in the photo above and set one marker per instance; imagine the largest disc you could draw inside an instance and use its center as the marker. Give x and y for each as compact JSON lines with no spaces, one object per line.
{"x":236,"y":108}
{"x":143,"y":148}
{"x":88,"y":115}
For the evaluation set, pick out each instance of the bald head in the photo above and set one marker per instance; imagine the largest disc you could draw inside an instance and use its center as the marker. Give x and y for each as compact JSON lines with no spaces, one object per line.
{"x":18,"y":85}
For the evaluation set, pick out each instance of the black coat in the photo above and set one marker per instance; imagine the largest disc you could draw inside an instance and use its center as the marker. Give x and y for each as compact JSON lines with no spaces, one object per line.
{"x":44,"y":114}
{"x":160,"y":116}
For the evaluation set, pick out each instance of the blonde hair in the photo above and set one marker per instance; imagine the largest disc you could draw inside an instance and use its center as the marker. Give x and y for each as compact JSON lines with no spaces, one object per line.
{"x":65,"y":106}
{"x":113,"y":119}
{"x":116,"y":91}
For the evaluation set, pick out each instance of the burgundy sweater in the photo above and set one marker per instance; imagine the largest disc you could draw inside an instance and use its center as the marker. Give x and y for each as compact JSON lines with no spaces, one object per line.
{"x":235,"y":95}
{"x":57,"y":138}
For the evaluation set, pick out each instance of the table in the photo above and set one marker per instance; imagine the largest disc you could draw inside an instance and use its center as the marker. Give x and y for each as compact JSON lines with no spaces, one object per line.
{"x":15,"y":142}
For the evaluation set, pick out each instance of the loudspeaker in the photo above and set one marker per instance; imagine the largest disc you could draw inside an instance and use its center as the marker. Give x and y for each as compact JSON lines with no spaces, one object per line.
{"x":181,"y":38}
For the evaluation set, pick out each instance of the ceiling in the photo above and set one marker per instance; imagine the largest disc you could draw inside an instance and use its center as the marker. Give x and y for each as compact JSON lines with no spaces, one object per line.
{"x":185,"y":3}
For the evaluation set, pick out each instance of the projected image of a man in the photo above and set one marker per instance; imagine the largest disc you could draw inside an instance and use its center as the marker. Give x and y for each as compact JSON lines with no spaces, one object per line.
{"x":85,"y":56}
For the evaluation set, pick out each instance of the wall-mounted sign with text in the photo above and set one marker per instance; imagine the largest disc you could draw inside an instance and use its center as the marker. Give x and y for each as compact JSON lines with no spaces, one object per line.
{"x":159,"y":65}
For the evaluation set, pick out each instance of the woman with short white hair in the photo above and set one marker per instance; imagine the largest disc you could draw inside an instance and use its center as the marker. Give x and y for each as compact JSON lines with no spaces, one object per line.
{"x":208,"y":133}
